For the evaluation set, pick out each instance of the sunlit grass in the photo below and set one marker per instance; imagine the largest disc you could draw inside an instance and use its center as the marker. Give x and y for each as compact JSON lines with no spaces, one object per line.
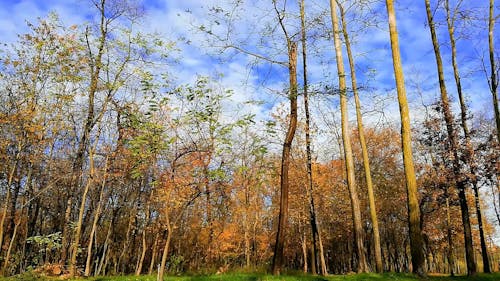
{"x":265,"y":277}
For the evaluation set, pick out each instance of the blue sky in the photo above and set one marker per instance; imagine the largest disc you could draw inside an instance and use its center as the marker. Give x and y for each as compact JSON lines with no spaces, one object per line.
{"x":178,"y":19}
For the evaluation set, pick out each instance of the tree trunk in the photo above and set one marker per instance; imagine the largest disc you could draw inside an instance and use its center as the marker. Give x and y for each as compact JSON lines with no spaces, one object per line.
{"x":449,"y":237}
{"x":346,"y":140}
{"x":164,"y":256}
{"x":416,"y":239}
{"x":493,"y":78}
{"x":304,"y":253}
{"x":448,"y":117}
{"x":366,"y":160}
{"x":88,"y":263}
{"x":310,"y":188}
{"x":482,"y":238}
{"x":140,"y":261}
{"x":78,"y":229}
{"x":11,"y":244}
{"x":277,"y":262}
{"x":104,"y":256}
{"x":8,"y":192}
{"x":153,"y":254}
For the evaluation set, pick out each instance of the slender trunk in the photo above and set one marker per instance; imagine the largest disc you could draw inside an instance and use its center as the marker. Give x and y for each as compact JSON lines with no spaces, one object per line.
{"x":153,"y":254}
{"x":140,"y":261}
{"x":449,"y":236}
{"x":88,"y":264}
{"x":104,"y":252}
{"x":322,"y":261}
{"x":482,"y":238}
{"x":285,"y":161}
{"x":346,"y":140}
{"x":310,"y":188}
{"x":493,"y":78}
{"x":366,"y":160}
{"x":452,"y":140}
{"x":416,"y":239}
{"x":65,"y":233}
{"x":78,"y":229}
{"x":164,"y":256}
{"x":470,"y":159}
{"x":126,"y":243}
{"x":304,"y":252}
{"x":7,"y":198}
{"x":11,"y":245}
{"x":246,"y":237}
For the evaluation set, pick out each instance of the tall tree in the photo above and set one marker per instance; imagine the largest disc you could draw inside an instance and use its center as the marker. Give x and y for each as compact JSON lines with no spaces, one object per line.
{"x":346,"y":141}
{"x":493,"y":68}
{"x":453,"y":145}
{"x":469,"y":157}
{"x":416,"y":238}
{"x":316,"y":235}
{"x":364,"y":150}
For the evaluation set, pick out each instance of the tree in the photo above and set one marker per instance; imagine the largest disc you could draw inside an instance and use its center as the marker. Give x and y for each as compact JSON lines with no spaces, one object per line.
{"x":453,"y":145}
{"x":469,"y":157}
{"x":316,"y":234}
{"x":346,"y":141}
{"x":416,"y":239}
{"x":366,"y":160}
{"x":493,"y":68}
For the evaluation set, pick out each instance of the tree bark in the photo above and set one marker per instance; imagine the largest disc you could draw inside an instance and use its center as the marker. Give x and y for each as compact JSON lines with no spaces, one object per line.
{"x":8,"y":192}
{"x":469,"y":157}
{"x":493,"y":77}
{"x":416,"y":239}
{"x":362,"y":141}
{"x":310,"y":189}
{"x":452,"y":140}
{"x":153,"y":254}
{"x":88,"y":264}
{"x":346,"y":140}
{"x":164,"y":255}
{"x":277,"y":262}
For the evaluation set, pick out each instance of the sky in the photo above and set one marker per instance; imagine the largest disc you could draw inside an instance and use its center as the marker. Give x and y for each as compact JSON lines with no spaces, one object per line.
{"x":178,"y":20}
{"x":252,"y":79}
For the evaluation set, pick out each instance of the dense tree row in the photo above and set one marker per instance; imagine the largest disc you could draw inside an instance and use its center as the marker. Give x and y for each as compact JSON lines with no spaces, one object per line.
{"x":110,"y":166}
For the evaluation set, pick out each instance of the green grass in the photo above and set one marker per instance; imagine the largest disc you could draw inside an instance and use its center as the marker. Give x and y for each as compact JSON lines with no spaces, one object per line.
{"x":263,"y":277}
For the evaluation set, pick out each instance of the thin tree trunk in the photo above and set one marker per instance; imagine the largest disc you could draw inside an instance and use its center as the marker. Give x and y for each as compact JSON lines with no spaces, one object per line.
{"x":164,"y":256}
{"x":493,"y":78}
{"x":366,"y":160}
{"x":78,"y":229}
{"x":452,"y":140}
{"x":11,"y":245}
{"x":322,"y":261}
{"x":449,"y":237}
{"x":470,"y":159}
{"x":482,"y":238}
{"x":153,"y":254}
{"x":7,"y":198}
{"x":88,"y":264}
{"x":140,"y":261}
{"x":346,"y":140}
{"x":277,"y":262}
{"x":416,"y":239}
{"x":104,"y":251}
{"x":304,"y":252}
{"x":310,"y":188}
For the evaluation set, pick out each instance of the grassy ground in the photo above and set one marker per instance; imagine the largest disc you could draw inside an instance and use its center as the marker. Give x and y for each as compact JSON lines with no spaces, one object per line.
{"x":262,"y":277}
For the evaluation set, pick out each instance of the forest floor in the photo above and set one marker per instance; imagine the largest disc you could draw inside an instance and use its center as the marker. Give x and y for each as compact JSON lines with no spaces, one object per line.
{"x":263,"y":277}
